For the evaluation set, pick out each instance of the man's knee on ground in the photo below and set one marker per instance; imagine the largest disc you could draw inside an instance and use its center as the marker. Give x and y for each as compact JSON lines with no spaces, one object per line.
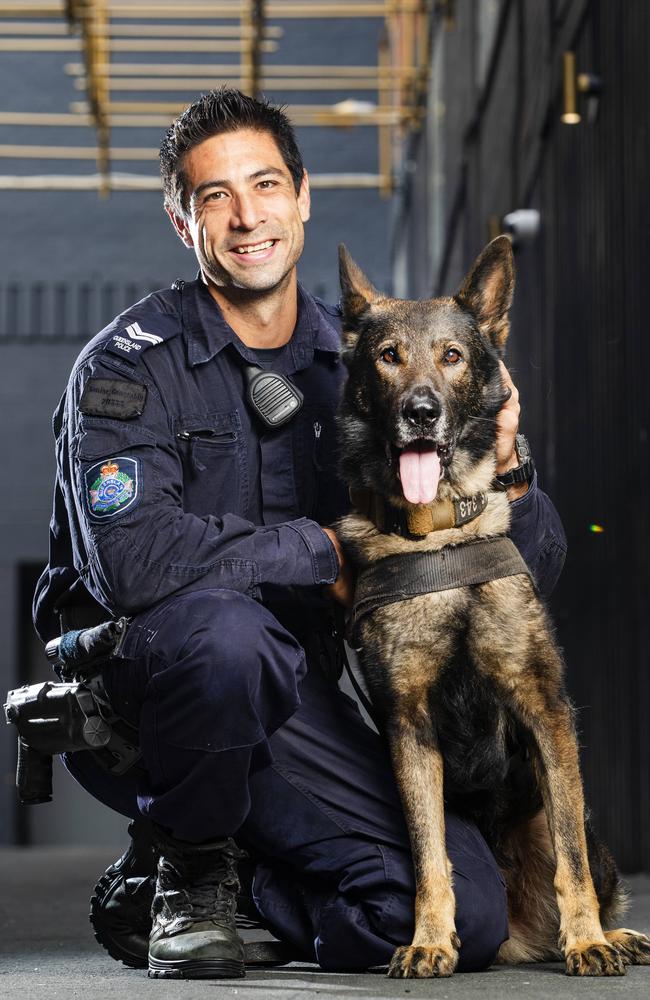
{"x":373,"y":912}
{"x":481,"y":916}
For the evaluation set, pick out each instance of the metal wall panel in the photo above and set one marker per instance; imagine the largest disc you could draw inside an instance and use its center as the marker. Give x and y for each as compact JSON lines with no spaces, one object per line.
{"x":578,"y":350}
{"x":591,"y":201}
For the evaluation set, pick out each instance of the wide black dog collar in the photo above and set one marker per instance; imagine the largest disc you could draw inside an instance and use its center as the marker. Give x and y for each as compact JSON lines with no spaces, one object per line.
{"x":418,"y":520}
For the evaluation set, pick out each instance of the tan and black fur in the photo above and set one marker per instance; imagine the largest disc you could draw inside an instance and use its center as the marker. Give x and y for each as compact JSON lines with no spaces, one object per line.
{"x":468,"y":682}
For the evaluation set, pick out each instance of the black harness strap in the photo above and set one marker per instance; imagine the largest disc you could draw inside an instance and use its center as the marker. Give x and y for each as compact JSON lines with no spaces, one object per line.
{"x":400,"y":577}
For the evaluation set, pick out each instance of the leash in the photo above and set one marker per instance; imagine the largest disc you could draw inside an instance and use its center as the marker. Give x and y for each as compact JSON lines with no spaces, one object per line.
{"x":359,"y":691}
{"x":400,"y":577}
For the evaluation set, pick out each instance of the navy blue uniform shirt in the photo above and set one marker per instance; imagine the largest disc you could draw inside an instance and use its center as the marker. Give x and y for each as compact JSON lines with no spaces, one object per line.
{"x":167,"y":483}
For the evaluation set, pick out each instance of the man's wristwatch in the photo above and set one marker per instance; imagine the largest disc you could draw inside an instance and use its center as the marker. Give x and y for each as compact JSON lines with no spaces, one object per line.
{"x":522,"y":473}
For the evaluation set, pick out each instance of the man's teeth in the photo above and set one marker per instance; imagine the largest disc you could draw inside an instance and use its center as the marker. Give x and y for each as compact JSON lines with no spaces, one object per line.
{"x":259,"y":246}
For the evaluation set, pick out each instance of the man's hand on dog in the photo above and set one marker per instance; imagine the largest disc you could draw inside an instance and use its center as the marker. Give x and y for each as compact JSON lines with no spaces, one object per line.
{"x":342,"y":590}
{"x":507,"y":427}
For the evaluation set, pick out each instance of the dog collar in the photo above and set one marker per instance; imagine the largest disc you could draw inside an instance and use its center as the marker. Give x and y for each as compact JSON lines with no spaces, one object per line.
{"x":418,"y":520}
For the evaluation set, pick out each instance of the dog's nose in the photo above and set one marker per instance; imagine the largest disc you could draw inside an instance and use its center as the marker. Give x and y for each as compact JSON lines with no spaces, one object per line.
{"x":421,"y":408}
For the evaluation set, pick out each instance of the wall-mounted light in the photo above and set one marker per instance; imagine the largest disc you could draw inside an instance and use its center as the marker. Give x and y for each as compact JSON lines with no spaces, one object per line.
{"x":522,"y":225}
{"x":575,"y":84}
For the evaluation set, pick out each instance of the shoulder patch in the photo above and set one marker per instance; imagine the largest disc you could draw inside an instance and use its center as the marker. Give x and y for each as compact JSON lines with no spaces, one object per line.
{"x":111,"y":397}
{"x":131,"y":340}
{"x":112,"y":486}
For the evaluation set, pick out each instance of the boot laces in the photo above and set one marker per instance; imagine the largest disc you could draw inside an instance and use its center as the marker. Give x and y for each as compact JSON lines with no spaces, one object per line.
{"x":206,"y":889}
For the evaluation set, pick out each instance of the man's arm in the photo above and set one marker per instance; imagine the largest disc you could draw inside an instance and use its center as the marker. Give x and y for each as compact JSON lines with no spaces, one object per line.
{"x":144,"y":546}
{"x":536,"y":528}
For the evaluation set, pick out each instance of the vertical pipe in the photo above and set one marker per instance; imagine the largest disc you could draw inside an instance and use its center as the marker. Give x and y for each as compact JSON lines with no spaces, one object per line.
{"x":101,"y":57}
{"x":384,"y":131}
{"x":570,"y":115}
{"x":253,"y":17}
{"x":246,"y":22}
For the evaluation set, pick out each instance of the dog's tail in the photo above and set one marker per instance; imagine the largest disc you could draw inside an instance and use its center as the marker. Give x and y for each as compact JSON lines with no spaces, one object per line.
{"x":612,"y":894}
{"x":533,"y":914}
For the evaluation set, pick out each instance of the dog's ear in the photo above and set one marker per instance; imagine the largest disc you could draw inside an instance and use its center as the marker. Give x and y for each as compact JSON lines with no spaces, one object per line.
{"x":488,"y":288}
{"x":357,"y":293}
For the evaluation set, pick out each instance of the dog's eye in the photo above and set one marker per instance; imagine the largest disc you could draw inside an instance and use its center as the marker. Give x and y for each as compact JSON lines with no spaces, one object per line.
{"x":452,"y":357}
{"x":389,"y":355}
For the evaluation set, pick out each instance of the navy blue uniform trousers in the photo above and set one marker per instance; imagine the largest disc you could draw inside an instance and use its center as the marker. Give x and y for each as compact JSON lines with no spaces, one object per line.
{"x":239,"y":737}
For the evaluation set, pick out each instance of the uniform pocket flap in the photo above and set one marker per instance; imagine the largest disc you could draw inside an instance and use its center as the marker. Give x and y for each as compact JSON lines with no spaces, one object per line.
{"x":101,"y":437}
{"x":208,"y":427}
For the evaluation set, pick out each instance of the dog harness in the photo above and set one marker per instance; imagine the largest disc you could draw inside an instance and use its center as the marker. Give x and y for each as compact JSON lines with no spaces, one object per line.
{"x":400,"y":577}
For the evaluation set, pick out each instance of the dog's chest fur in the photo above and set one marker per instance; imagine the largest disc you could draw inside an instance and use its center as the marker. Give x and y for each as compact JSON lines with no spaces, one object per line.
{"x":446,"y":654}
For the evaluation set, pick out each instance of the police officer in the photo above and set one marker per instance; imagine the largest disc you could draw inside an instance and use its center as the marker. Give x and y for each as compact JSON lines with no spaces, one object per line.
{"x":178,"y":505}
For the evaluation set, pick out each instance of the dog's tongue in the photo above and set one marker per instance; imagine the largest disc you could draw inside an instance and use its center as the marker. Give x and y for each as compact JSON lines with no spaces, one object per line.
{"x":419,"y":472}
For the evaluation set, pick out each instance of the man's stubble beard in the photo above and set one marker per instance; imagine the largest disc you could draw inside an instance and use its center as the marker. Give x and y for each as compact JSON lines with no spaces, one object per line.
{"x":225,"y":280}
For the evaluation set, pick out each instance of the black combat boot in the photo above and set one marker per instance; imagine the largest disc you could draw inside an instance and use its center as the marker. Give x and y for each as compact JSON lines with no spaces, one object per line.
{"x":120,"y":907}
{"x":194,"y":933}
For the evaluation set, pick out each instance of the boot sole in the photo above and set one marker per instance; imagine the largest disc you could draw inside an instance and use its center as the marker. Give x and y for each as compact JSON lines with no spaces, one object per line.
{"x":187,"y":969}
{"x":104,"y":935}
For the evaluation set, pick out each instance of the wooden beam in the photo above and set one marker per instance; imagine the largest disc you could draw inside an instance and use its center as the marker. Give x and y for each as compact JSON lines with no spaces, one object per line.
{"x":131,"y":45}
{"x":177,"y":107}
{"x":199,"y":69}
{"x":306,"y":118}
{"x":277,"y":9}
{"x":43,"y":9}
{"x":268,"y":83}
{"x":146,"y":182}
{"x":20,"y":152}
{"x":136,"y":30}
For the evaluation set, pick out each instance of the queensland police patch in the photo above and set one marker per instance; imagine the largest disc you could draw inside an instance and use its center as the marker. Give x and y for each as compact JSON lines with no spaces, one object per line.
{"x":112,"y":486}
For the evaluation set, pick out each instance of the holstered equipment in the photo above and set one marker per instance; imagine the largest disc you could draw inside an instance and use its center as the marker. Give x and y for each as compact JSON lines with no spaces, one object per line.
{"x":71,"y":715}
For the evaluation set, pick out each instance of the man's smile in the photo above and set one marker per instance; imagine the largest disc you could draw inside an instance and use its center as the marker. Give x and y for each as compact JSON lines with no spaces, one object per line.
{"x":254,"y":252}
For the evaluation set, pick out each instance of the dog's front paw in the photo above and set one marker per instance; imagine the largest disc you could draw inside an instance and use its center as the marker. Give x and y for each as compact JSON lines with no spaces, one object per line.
{"x":632,"y":946}
{"x":424,"y":961}
{"x":594,"y":959}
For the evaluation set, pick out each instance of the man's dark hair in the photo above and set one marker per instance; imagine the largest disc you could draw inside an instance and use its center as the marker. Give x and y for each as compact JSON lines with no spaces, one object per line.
{"x":219,"y":111}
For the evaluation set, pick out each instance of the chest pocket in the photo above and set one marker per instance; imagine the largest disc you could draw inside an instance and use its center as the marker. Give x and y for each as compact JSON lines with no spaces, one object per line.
{"x":213,"y":455}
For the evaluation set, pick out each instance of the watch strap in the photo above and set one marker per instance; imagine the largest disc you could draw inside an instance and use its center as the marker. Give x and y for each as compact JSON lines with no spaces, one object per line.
{"x":522,"y":473}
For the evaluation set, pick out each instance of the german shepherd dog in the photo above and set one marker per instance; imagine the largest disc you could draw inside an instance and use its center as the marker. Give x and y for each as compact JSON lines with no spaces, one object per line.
{"x":468,"y":680}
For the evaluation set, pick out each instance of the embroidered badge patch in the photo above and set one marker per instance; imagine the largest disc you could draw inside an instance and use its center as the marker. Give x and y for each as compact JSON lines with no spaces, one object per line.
{"x":108,"y":397}
{"x":112,"y":485}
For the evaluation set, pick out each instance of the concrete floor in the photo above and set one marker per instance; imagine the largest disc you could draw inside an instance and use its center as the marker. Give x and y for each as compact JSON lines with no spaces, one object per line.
{"x":47,"y":950}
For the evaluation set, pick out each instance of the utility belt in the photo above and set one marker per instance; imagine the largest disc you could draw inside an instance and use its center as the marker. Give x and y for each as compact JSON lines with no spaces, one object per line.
{"x":72,"y":714}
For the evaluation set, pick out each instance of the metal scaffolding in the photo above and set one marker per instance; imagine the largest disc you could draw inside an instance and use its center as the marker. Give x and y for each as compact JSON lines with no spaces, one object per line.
{"x":393,"y":91}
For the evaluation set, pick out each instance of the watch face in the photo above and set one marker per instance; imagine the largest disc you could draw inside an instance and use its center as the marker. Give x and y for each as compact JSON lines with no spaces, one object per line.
{"x":522,"y":448}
